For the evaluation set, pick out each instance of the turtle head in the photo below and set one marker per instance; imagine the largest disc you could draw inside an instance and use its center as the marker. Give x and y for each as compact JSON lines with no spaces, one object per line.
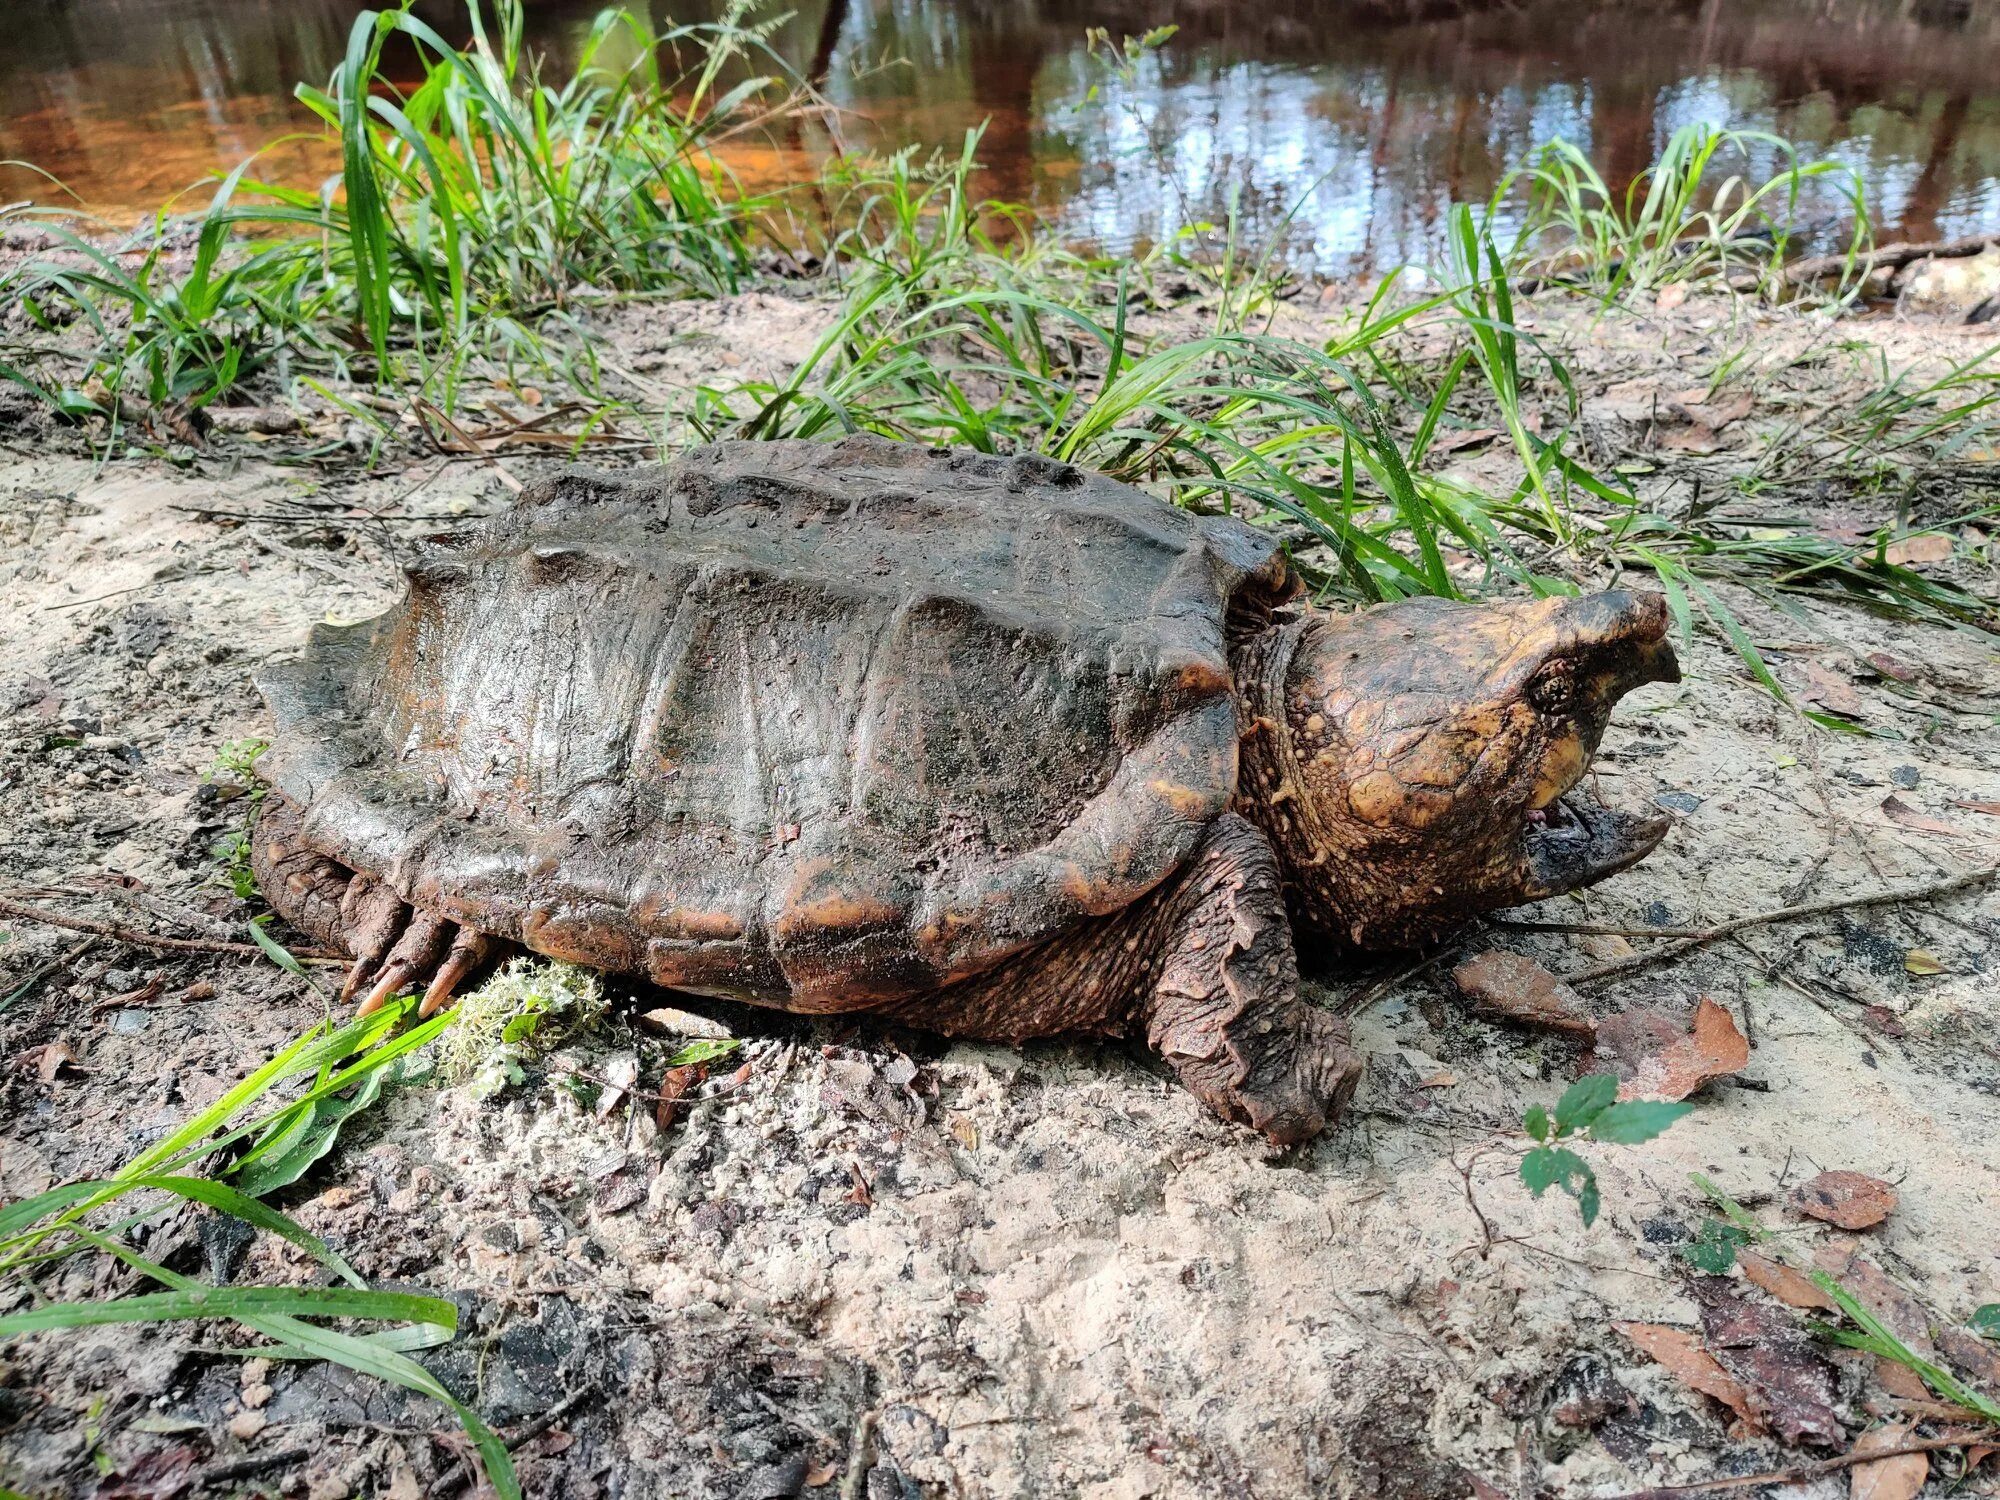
{"x":1434,"y":749}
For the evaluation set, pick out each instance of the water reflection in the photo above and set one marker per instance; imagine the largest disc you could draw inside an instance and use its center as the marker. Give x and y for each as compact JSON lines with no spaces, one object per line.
{"x":1347,"y":125}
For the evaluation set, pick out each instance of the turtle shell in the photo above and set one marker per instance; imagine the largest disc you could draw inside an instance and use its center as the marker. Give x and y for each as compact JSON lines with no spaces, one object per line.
{"x":815,"y":725}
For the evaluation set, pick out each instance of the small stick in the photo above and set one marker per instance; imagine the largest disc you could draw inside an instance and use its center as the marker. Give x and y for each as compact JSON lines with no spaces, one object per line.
{"x":1690,"y":938}
{"x":148,"y":940}
{"x":460,"y":1472}
{"x":243,"y":1468}
{"x":1804,"y":1472}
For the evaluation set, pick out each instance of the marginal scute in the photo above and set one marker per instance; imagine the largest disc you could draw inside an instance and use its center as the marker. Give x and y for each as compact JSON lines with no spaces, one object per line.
{"x":817,"y":725}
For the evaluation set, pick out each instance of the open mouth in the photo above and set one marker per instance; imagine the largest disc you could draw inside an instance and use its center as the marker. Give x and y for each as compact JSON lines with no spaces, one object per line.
{"x":1577,"y":841}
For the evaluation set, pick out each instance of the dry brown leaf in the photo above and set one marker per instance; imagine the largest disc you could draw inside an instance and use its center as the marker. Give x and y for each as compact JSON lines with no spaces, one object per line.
{"x":1893,"y":666}
{"x":1828,"y":688}
{"x":1929,"y":548}
{"x":1852,"y":1200}
{"x":1513,"y":988}
{"x":822,"y":1474}
{"x":1906,"y":1317}
{"x":1716,"y":415}
{"x":620,"y":1073}
{"x":674,"y":1086}
{"x":1899,"y":811}
{"x":1782,"y":1282}
{"x":1791,"y":1384}
{"x":1657,"y":1059}
{"x":1680,"y":1353}
{"x":1698,"y":440}
{"x":49,"y":1059}
{"x":1991,"y":809}
{"x":1898,"y":1478}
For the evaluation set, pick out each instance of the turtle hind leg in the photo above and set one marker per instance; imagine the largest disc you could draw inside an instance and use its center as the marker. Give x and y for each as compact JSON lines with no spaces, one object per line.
{"x":1225,"y":1009}
{"x":394,"y":946}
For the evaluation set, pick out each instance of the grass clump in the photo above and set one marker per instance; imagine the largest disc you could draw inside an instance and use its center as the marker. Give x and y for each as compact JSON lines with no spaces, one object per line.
{"x":527,"y":1010}
{"x":1676,"y":222}
{"x":469,"y":213}
{"x":211,"y":1163}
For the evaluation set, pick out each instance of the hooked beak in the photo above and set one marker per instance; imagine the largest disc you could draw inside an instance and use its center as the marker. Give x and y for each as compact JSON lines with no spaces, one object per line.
{"x":1577,"y":841}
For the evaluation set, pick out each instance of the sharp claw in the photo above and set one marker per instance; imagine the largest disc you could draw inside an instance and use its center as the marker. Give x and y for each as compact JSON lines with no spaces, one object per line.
{"x":415,"y":951}
{"x":468,"y":952}
{"x":357,"y":976}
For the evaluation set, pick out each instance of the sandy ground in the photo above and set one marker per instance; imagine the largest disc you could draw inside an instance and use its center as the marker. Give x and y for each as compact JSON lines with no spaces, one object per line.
{"x":878,"y":1265}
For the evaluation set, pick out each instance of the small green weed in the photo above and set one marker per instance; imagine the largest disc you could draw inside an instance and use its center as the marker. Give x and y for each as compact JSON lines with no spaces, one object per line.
{"x":1588,"y":1110}
{"x":527,"y":1010}
{"x":235,"y":770}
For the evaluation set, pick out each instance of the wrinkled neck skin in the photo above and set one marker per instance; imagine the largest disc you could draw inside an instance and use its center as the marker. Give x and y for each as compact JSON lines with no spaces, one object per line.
{"x":1269,"y":779}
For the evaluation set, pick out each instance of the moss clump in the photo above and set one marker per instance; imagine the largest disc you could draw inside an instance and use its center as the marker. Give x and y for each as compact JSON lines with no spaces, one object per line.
{"x":525,"y":1011}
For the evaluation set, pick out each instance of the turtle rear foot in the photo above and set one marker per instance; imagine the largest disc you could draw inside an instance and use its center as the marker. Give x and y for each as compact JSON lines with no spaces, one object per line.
{"x":395,"y":946}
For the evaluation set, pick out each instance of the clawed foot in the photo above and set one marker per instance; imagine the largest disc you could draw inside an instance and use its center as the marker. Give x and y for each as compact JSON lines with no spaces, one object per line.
{"x":396,"y":947}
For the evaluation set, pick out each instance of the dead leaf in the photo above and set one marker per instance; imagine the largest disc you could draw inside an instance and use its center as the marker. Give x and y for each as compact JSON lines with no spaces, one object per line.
{"x":1852,"y":1200}
{"x":1511,"y":987}
{"x":862,"y":1192}
{"x":1898,"y":1478}
{"x":1657,"y":1059}
{"x":1782,"y":1282}
{"x":1841,"y":1259}
{"x":1440,"y":1080}
{"x":1971,"y":1355}
{"x":1922,"y":962}
{"x":1454,"y":442}
{"x":1991,"y":809}
{"x":1683,"y":1357}
{"x":1931,"y":547}
{"x":823,"y":1474}
{"x":1790,"y":1382}
{"x":1717,"y":415}
{"x":49,"y":1059}
{"x":1899,"y":811}
{"x":1828,"y":688}
{"x":620,"y":1073}
{"x":675,"y":1085}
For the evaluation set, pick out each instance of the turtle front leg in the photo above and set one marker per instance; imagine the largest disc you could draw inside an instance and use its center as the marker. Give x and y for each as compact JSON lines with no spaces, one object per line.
{"x":395,"y":946}
{"x":1225,"y":1009}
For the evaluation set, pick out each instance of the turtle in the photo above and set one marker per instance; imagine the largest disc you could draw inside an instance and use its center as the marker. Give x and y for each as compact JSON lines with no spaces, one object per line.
{"x":993,"y":746}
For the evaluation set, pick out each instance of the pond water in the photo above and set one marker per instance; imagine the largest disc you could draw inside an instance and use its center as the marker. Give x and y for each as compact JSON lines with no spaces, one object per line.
{"x":1346,"y":127}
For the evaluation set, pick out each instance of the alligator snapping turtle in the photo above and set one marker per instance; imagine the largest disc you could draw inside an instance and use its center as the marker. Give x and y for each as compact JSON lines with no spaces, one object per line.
{"x":993,"y":746}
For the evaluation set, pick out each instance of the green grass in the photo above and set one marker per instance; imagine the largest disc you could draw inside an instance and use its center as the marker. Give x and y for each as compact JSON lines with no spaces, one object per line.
{"x":251,"y":1141}
{"x":1686,"y":219}
{"x":470,"y":213}
{"x":480,"y":213}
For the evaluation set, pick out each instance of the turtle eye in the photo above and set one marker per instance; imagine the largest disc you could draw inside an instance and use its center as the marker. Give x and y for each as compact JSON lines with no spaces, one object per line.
{"x":1554,"y":688}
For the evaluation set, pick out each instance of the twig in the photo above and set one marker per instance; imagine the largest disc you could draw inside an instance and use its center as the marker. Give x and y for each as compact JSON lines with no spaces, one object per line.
{"x":1891,"y":257}
{"x":1800,"y":1474}
{"x":460,"y":1472}
{"x":860,"y":1450}
{"x":1359,"y":1000}
{"x":136,"y":939}
{"x":1691,"y":938}
{"x":243,"y":1468}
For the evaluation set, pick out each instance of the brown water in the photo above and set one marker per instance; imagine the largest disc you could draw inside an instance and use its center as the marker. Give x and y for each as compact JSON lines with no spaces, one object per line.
{"x":1348,"y":126}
